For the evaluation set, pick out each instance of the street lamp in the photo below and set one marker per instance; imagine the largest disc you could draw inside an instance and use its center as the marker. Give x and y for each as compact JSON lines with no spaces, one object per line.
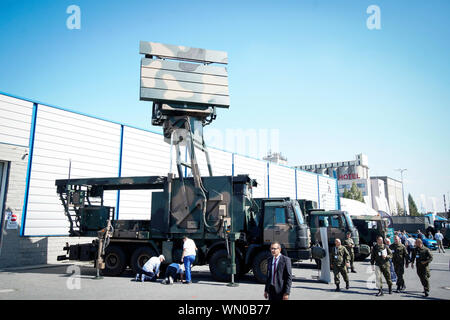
{"x":403,"y":190}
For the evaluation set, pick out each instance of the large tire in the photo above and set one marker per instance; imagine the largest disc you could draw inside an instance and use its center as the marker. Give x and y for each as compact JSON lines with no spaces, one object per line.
{"x":244,"y":269}
{"x":260,"y":266}
{"x":218,"y":264}
{"x":361,"y":257}
{"x":140,"y":256}
{"x":115,"y":261}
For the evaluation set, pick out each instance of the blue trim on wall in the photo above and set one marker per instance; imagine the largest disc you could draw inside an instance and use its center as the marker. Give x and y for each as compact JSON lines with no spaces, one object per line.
{"x":268,"y":180}
{"x":120,"y":170}
{"x":35,"y":101}
{"x":31,"y":147}
{"x":14,"y":145}
{"x":318,"y":190}
{"x":338,"y":199}
{"x":295,"y":172}
{"x":30,"y":162}
{"x":232,"y":164}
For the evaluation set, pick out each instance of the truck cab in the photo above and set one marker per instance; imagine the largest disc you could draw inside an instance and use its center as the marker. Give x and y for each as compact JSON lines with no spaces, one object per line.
{"x":281,"y":220}
{"x":370,"y":227}
{"x":338,"y":223}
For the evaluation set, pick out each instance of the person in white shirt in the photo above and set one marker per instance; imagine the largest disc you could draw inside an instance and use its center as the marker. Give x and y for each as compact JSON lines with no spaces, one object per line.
{"x":188,"y":257}
{"x":410,"y":245}
{"x":439,"y":237}
{"x":150,"y":270}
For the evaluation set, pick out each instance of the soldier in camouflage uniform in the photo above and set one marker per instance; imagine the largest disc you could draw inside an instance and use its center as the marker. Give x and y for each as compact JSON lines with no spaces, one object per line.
{"x":400,"y":258}
{"x":380,"y":257}
{"x":349,"y":245}
{"x":422,"y":256}
{"x":339,"y":262}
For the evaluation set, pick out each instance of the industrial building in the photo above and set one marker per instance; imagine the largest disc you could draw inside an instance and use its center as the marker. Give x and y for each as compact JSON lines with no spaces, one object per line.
{"x":40,"y":143}
{"x":380,"y":193}
{"x":392,"y":192}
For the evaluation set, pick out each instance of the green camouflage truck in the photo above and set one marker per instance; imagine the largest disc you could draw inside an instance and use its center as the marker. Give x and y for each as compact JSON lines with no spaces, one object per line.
{"x":338,"y":223}
{"x":231,"y":215}
{"x":370,"y":227}
{"x":232,"y":230}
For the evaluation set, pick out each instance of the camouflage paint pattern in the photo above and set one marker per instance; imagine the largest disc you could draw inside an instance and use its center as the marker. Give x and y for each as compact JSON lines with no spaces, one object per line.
{"x":191,"y":80}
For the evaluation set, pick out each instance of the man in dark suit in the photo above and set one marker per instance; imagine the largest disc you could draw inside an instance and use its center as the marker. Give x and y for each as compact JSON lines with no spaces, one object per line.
{"x":279,"y":275}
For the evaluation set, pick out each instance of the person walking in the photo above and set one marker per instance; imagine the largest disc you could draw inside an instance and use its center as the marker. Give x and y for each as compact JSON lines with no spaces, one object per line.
{"x":188,"y":257}
{"x":410,"y":245}
{"x":422,"y":257}
{"x":150,"y":270}
{"x":400,"y":258}
{"x":420,"y":235}
{"x":403,"y":237}
{"x":439,"y":238}
{"x":387,"y":242}
{"x":279,"y":275}
{"x":340,"y":258}
{"x":379,"y":257}
{"x":349,"y":245}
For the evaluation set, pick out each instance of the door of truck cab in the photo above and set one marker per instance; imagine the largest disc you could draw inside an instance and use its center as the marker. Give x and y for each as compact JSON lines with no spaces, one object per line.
{"x":279,"y":225}
{"x":338,"y":227}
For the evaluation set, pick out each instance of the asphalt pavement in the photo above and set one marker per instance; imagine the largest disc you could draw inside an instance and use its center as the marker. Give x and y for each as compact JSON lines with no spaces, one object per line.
{"x":77,"y":282}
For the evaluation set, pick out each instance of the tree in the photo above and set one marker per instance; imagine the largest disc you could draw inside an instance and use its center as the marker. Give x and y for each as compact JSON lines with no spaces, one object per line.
{"x":412,"y":206}
{"x":354,"y":193}
{"x":400,"y":211}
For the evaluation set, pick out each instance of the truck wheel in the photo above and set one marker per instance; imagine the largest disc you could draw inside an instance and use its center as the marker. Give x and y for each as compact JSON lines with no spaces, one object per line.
{"x":260,"y":266}
{"x":115,"y":261}
{"x":244,"y":269}
{"x":218,"y":264}
{"x":361,"y":257}
{"x":140,"y":256}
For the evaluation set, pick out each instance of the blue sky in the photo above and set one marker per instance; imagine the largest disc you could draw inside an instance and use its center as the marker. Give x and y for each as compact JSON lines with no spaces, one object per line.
{"x":310,"y":69}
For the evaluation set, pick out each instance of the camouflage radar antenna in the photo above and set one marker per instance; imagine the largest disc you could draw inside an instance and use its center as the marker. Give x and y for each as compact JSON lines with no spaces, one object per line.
{"x":185,"y":90}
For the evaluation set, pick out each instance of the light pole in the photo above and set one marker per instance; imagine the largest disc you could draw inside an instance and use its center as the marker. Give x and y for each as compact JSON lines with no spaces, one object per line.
{"x":403,"y":191}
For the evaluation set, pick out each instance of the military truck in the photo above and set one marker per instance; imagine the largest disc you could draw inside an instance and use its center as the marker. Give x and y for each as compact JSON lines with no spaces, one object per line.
{"x":279,"y":219}
{"x":412,"y":223}
{"x":230,"y":212}
{"x":444,"y":227}
{"x":232,"y":230}
{"x":338,"y":223}
{"x":370,"y":227}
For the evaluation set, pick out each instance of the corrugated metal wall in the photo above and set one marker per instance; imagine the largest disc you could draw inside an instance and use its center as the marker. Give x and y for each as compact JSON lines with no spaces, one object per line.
{"x":91,"y":145}
{"x":100,"y":148}
{"x":15,"y":121}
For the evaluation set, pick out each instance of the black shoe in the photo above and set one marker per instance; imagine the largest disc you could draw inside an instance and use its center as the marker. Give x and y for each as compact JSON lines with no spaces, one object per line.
{"x":337,"y":288}
{"x":380,"y":293}
{"x":426,"y":293}
{"x":390,"y":290}
{"x":353,"y":271}
{"x":347,"y":286}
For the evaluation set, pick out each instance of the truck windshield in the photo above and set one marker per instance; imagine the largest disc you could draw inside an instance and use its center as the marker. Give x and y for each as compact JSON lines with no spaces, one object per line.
{"x":298,"y":213}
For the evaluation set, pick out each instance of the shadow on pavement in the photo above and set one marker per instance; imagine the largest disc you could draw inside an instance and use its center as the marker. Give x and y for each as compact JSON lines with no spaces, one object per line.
{"x":351,"y":290}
